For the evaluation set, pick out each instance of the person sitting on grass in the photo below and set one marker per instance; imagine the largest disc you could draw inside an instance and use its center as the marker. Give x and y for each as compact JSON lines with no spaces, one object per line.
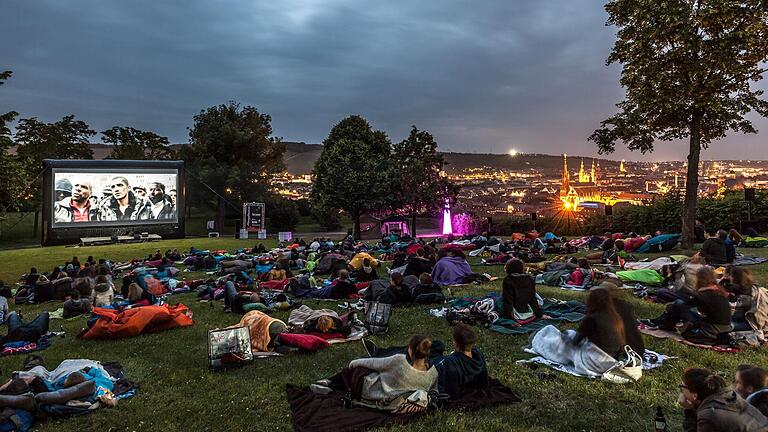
{"x":609,"y":323}
{"x":103,"y":294}
{"x":397,"y":292}
{"x":740,"y":284}
{"x":713,"y":249}
{"x":465,"y":368}
{"x":76,"y":306}
{"x":710,"y":406}
{"x":583,"y":275}
{"x":711,"y":323}
{"x":386,"y":379}
{"x":518,"y":292}
{"x":751,"y":383}
{"x":426,"y":291}
{"x":366,"y":273}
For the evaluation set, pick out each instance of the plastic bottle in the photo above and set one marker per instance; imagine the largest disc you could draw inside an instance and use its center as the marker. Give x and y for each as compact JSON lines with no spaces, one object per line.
{"x":660,"y":420}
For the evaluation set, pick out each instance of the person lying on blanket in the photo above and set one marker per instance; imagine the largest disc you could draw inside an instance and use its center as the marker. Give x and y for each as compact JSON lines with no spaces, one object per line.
{"x":709,"y":405}
{"x":327,"y":324}
{"x":383,"y":382}
{"x":751,"y":383}
{"x":610,"y":323}
{"x":518,"y":291}
{"x":710,"y":324}
{"x":583,"y":276}
{"x":138,"y":296}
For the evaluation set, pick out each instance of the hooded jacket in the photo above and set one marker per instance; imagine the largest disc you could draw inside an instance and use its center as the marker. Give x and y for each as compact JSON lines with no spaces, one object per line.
{"x":518,"y":291}
{"x":109,"y":209}
{"x":725,"y":412}
{"x":457,"y":373}
{"x":759,"y":400}
{"x":102,"y":295}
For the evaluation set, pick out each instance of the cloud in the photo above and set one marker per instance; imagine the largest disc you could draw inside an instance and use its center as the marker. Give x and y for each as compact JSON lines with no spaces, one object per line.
{"x":482,"y":76}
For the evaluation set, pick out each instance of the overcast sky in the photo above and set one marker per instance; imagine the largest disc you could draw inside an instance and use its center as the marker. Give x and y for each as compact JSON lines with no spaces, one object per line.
{"x":481,"y":76}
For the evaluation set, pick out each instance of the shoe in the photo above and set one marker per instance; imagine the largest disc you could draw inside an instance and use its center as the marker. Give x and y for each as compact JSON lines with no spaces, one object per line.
{"x":324,"y":382}
{"x":369,"y":346}
{"x":227,"y":310}
{"x":649,"y":323}
{"x":320,"y":389}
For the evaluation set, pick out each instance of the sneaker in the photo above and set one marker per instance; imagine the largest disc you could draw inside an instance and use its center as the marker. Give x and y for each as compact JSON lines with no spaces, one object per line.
{"x":324,"y":382}
{"x":369,"y":346}
{"x":649,"y":323}
{"x":320,"y":389}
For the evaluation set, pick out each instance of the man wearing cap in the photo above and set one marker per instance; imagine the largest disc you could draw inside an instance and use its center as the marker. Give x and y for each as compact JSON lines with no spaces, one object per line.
{"x":124,"y":204}
{"x":63,"y":189}
{"x":76,"y":208}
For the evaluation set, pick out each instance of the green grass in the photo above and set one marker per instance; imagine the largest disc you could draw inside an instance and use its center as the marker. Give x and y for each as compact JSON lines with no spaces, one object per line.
{"x":178,"y":392}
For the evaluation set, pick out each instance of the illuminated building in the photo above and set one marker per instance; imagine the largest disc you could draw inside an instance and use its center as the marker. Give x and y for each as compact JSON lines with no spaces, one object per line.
{"x":588,"y":191}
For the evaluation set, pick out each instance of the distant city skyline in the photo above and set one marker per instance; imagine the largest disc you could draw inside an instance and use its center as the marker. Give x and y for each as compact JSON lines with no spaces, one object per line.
{"x":482,"y":78}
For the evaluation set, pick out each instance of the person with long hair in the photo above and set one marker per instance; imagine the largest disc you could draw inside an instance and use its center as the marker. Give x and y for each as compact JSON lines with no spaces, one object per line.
{"x":712,"y":319}
{"x":709,"y":405}
{"x":609,"y":323}
{"x":383,"y":380}
{"x":137,"y":296}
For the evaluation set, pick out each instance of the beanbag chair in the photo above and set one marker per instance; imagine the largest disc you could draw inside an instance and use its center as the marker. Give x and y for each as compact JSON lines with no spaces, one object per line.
{"x":756,"y":242}
{"x":643,"y":276}
{"x":303,"y":341}
{"x":112,"y":324}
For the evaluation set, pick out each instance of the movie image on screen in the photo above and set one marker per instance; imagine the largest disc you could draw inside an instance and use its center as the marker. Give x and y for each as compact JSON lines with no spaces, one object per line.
{"x":109,"y":197}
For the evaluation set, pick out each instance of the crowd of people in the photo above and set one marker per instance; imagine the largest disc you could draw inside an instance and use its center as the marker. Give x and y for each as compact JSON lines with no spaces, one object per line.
{"x":710,"y":306}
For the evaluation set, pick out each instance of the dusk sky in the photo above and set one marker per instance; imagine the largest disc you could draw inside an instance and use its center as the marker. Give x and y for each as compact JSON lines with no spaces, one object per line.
{"x":481,"y":76}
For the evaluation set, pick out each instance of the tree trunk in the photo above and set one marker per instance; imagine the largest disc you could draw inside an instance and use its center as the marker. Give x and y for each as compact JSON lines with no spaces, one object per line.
{"x":692,"y":184}
{"x":221,"y":215}
{"x":413,"y":224}
{"x":356,"y":226}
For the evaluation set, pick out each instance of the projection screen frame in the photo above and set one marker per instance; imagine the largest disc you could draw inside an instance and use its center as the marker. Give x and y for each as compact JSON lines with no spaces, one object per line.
{"x":56,"y":234}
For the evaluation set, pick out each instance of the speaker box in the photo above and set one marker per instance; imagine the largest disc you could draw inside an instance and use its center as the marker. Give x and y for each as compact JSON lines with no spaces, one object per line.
{"x":749,"y":194}
{"x":534,"y":216}
{"x":609,"y":210}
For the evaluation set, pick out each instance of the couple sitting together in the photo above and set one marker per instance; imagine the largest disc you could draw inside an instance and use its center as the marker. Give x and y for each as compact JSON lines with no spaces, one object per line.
{"x":408,"y":379}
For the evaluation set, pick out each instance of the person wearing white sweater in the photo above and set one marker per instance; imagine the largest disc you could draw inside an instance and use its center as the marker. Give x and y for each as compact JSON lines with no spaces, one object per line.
{"x":389,"y":377}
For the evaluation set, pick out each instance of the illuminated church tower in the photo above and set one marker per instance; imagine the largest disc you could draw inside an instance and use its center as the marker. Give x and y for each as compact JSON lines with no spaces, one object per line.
{"x":565,"y":183}
{"x":583,"y":176}
{"x":592,"y":173}
{"x":621,"y":168}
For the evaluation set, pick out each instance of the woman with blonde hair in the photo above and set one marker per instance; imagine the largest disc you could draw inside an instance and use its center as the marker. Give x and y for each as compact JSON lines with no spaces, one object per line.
{"x":137,"y":296}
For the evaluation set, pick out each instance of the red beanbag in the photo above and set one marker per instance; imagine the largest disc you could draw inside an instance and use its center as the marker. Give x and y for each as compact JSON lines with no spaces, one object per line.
{"x":303,"y":341}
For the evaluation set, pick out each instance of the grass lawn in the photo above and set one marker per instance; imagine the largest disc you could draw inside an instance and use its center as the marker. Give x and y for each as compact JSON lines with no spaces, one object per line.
{"x":178,"y":392}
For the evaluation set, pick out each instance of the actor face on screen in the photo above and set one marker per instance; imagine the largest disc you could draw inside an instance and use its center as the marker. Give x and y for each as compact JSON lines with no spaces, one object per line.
{"x":93,"y":197}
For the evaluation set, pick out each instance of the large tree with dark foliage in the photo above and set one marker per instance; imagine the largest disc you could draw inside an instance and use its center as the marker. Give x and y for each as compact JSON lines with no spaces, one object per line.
{"x":11,"y":173}
{"x":233,"y":152}
{"x":354,"y":171}
{"x":687,"y":67}
{"x":419,"y":166}
{"x":134,"y":144}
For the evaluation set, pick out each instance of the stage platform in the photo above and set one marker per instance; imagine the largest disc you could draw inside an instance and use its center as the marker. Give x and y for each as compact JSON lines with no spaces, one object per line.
{"x":95,"y":241}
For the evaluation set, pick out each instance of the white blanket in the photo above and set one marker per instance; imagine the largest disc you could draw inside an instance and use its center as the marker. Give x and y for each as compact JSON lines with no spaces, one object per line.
{"x":656,"y":264}
{"x":557,"y":350}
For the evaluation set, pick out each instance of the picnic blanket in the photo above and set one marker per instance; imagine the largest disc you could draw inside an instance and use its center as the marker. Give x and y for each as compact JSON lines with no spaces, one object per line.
{"x":112,"y":324}
{"x":664,"y":334}
{"x":660,"y":243}
{"x":747,"y":260}
{"x":12,"y":348}
{"x":59,"y":314}
{"x":560,"y":311}
{"x":319,"y":413}
{"x":656,"y":264}
{"x":556,"y":349}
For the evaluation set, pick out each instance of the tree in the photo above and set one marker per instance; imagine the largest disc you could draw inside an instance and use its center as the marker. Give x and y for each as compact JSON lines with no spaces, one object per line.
{"x":11,"y":177}
{"x":354,"y":171}
{"x":418,"y":164}
{"x":135,"y":144}
{"x":233,"y":152}
{"x":687,"y":67}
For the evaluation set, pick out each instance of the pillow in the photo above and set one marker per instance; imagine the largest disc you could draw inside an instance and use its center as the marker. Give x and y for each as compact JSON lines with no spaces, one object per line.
{"x":303,"y":341}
